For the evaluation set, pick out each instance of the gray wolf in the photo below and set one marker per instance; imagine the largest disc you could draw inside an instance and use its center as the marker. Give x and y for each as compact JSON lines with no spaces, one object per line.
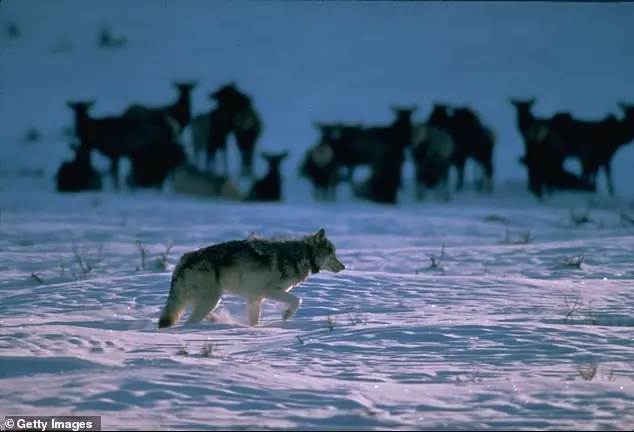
{"x":256,"y":269}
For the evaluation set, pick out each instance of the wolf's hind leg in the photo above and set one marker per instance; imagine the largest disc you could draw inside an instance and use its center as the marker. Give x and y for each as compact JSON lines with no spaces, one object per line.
{"x":203,"y":306}
{"x":211,"y":316}
{"x":254,"y":311}
{"x":282,"y":296}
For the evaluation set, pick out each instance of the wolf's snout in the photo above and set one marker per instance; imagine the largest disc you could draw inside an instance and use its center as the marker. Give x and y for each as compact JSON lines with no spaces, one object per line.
{"x":340,"y":266}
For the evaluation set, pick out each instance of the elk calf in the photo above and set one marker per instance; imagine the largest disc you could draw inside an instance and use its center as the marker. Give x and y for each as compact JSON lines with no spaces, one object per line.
{"x":269,"y":187}
{"x":78,"y":175}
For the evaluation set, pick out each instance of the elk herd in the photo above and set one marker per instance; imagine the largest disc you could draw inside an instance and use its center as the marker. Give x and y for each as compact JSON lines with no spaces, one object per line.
{"x":151,"y":138}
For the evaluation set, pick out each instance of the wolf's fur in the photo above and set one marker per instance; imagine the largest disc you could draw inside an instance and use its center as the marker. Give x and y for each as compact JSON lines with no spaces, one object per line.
{"x":255,"y":269}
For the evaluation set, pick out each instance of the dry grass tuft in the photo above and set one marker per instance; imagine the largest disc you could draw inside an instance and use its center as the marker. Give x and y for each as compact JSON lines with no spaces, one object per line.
{"x":518,"y":238}
{"x":572,"y":262}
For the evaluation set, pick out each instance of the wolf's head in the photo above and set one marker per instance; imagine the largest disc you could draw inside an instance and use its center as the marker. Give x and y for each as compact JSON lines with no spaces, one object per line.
{"x":324,"y":252}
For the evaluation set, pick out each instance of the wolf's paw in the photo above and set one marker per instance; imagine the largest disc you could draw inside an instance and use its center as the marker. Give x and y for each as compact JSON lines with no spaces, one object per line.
{"x":287,"y":314}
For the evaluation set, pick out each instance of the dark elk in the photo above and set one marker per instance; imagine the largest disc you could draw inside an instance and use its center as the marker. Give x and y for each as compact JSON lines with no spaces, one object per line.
{"x":386,"y":145}
{"x":383,"y":183}
{"x":432,"y":152}
{"x":553,"y":179}
{"x":595,"y":143}
{"x":235,"y":114}
{"x":213,"y":129}
{"x":180,"y":110}
{"x":340,"y":137}
{"x":78,"y":174}
{"x":472,"y":140}
{"x":269,"y":187}
{"x":118,"y":137}
{"x":386,"y":177}
{"x":355,"y":145}
{"x":322,"y":169}
{"x":545,"y":153}
{"x":152,"y":167}
{"x":543,"y":156}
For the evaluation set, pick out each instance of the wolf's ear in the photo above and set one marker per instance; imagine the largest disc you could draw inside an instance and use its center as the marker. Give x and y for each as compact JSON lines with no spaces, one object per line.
{"x":320,"y":235}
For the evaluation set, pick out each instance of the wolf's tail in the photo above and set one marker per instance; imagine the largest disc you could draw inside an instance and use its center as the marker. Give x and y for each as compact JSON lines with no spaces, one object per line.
{"x":175,"y":304}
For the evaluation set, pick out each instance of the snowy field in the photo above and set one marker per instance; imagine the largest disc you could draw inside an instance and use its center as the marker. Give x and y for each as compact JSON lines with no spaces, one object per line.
{"x":525,"y":324}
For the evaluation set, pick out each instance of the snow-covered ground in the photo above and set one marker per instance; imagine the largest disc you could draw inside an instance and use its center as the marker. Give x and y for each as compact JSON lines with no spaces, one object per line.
{"x":507,"y":332}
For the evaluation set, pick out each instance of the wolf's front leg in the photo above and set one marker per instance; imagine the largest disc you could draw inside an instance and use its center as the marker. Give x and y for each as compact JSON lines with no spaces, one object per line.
{"x":278,"y":294}
{"x":254,"y":311}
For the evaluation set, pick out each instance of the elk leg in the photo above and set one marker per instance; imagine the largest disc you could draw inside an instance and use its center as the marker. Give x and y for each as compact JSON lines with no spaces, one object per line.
{"x":225,"y":158}
{"x":114,"y":172}
{"x":607,"y":169}
{"x":246,"y":150}
{"x":460,"y":163}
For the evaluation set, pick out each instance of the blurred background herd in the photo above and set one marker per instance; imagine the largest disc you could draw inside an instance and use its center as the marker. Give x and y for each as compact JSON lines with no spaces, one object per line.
{"x":171,"y":144}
